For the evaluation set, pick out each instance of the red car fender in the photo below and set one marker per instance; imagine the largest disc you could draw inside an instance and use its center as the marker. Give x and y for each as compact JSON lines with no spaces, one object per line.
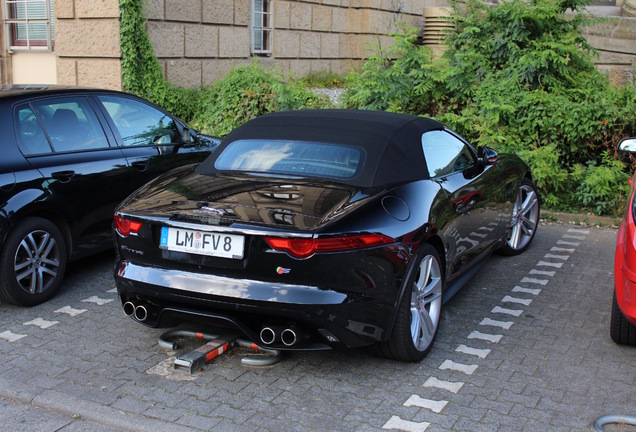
{"x":625,"y":263}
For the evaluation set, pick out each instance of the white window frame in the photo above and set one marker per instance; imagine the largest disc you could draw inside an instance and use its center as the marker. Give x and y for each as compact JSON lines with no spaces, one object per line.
{"x":262,"y":27}
{"x":23,"y":26}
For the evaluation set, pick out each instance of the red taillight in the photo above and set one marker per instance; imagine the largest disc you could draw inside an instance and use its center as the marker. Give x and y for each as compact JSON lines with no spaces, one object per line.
{"x":127,"y":226}
{"x":304,"y":247}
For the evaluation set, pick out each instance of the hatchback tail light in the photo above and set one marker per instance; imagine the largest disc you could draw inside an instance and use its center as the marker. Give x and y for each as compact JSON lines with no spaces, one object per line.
{"x":305,"y":247}
{"x":125,"y":227}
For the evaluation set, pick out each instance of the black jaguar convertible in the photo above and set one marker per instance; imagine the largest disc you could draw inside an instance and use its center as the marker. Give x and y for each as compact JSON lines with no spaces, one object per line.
{"x":319,"y":229}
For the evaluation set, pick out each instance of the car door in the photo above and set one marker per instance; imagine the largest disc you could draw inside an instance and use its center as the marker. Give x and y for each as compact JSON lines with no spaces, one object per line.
{"x":151,"y":139}
{"x":84,"y":176}
{"x":472,"y":195}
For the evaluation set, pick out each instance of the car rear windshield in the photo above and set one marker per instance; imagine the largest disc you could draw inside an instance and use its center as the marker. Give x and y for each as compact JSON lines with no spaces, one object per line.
{"x":299,"y":158}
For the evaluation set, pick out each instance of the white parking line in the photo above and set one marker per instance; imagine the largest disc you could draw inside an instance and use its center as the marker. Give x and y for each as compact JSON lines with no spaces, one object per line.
{"x":481,"y":353}
{"x":560,"y":249}
{"x":542,"y":272}
{"x":70,"y":311}
{"x":513,"y":312}
{"x":490,"y":322}
{"x":535,"y":281}
{"x":459,"y":367}
{"x":395,"y":422}
{"x":451,"y":386}
{"x":550,"y":264}
{"x":568,"y":243}
{"x":42,"y":323}
{"x":561,"y":257}
{"x":580,"y":231}
{"x":98,"y":301}
{"x":508,"y":299}
{"x":485,"y":336}
{"x":10,"y":336}
{"x":433,"y":405}
{"x":573,"y":237}
{"x":527,"y":290}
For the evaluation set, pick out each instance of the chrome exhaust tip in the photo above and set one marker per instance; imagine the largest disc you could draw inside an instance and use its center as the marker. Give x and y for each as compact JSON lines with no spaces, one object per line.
{"x":268,"y":335}
{"x":141,"y":313}
{"x":289,"y":337}
{"x":129,"y":308}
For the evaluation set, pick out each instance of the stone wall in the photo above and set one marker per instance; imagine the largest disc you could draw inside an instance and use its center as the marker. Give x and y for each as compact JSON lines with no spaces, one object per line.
{"x":87,"y":43}
{"x":615,"y":40}
{"x":199,"y":41}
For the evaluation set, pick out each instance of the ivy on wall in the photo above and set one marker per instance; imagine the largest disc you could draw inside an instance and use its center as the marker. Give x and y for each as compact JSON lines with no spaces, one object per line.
{"x":141,"y":72}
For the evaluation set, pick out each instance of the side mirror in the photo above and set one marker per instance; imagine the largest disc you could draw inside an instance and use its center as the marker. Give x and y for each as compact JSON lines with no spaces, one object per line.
{"x":189,"y":136}
{"x":627,"y":145}
{"x":486,"y":155}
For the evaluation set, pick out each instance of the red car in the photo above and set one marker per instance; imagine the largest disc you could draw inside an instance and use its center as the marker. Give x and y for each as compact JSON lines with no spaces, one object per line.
{"x":623,"y":323}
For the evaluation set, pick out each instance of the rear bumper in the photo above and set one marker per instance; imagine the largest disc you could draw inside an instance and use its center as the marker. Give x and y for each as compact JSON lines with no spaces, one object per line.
{"x":326,"y":318}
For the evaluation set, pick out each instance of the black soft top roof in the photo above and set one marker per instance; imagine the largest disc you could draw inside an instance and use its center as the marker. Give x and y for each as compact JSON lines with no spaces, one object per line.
{"x":392,"y":142}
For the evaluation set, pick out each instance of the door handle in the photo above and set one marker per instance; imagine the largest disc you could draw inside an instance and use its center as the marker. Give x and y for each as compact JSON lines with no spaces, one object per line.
{"x":63,"y":176}
{"x":141,"y":166}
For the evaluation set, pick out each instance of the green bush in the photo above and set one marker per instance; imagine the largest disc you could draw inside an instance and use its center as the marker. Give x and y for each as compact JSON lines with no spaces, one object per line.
{"x":246,"y":93}
{"x":517,"y":77}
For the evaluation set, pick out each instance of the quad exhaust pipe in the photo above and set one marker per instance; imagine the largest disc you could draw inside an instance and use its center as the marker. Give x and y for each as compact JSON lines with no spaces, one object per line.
{"x":288,"y":336}
{"x":139,"y":312}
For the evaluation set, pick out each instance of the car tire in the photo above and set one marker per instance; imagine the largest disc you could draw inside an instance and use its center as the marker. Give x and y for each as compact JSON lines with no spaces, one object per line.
{"x":525,"y":220}
{"x":33,"y":261}
{"x":622,"y":331}
{"x":419,"y":311}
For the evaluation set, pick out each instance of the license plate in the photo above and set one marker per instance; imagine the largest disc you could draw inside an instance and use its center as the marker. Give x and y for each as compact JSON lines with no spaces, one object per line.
{"x":202,"y":242}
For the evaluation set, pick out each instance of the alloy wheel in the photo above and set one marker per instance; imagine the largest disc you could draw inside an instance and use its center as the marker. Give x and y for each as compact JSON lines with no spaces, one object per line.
{"x":36,"y":262}
{"x":525,"y":217}
{"x":426,"y":303}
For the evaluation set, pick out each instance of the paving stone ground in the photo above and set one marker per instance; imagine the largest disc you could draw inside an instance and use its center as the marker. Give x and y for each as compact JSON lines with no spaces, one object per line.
{"x":523,"y":347}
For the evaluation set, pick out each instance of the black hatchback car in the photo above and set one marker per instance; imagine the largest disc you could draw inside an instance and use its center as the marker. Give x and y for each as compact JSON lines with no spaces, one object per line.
{"x":69,"y":156}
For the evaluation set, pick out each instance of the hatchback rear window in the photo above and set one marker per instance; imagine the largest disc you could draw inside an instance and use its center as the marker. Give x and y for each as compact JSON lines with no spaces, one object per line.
{"x":300,"y":158}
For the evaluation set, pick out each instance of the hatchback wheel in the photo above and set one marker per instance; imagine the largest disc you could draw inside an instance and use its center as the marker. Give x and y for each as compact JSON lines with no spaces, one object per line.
{"x":621,"y":330}
{"x":525,"y":219}
{"x":32,"y":262}
{"x":419,"y":312}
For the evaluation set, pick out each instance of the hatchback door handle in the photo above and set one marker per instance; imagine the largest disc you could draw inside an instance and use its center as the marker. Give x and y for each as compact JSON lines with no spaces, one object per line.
{"x":141,"y":166}
{"x":63,"y":176}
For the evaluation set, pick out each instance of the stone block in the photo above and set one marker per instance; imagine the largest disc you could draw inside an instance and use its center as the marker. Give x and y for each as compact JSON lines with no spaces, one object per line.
{"x":343,"y":41}
{"x":201,"y":41}
{"x":332,"y":2}
{"x":242,"y":12}
{"x":213,"y":70}
{"x":339,"y":20}
{"x":321,"y":18}
{"x":99,"y":73}
{"x":155,"y":10}
{"x":66,"y":69}
{"x":300,"y":16}
{"x":168,"y":39}
{"x":329,"y":45}
{"x":626,"y":30}
{"x":218,"y":11}
{"x":612,"y":44}
{"x":97,"y":8}
{"x":282,"y":12}
{"x":609,"y":57}
{"x":184,"y":73}
{"x":320,"y":66}
{"x":87,"y":38}
{"x":234,"y":42}
{"x":183,"y":10}
{"x":379,"y":22}
{"x":309,"y":45}
{"x":354,"y":21}
{"x":299,"y":68}
{"x":64,"y":9}
{"x":286,"y":44}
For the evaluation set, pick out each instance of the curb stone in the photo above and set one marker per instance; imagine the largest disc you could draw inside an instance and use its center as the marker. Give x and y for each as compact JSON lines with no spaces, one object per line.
{"x":86,"y":410}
